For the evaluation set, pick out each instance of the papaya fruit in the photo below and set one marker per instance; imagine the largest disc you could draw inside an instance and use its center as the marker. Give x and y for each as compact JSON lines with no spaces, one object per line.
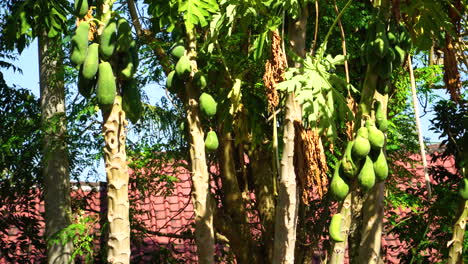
{"x":91,"y":63}
{"x":382,"y":85}
{"x":128,"y":69}
{"x":335,"y":228}
{"x":400,"y":55}
{"x":178,"y":51}
{"x":392,"y":38}
{"x":174,"y":83}
{"x":366,"y":177}
{"x":381,"y":166}
{"x":381,"y":46}
{"x":80,"y":43}
{"x":348,"y":166}
{"x":106,"y":86}
{"x":183,"y":67}
{"x":391,"y":56}
{"x":405,"y":39}
{"x":361,"y":146}
{"x":200,"y":80}
{"x":124,"y":35}
{"x":338,"y":187}
{"x":134,"y":52}
{"x":85,"y":86}
{"x":207,"y":105}
{"x":131,"y":100}
{"x":107,"y":40}
{"x":463,"y":189}
{"x":376,"y":137}
{"x":211,"y":141}
{"x":380,"y":117}
{"x":81,"y":8}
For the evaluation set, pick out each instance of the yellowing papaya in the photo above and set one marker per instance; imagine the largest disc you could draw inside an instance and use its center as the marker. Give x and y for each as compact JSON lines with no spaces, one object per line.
{"x":207,"y":104}
{"x":91,"y":63}
{"x":106,"y":86}
{"x":107,"y":40}
{"x":381,"y":167}
{"x":338,"y":187}
{"x":80,"y":43}
{"x":131,"y":101}
{"x":211,"y":141}
{"x":335,"y":228}
{"x":463,"y":189}
{"x":361,"y":146}
{"x":183,"y":67}
{"x":81,"y":8}
{"x":366,"y":177}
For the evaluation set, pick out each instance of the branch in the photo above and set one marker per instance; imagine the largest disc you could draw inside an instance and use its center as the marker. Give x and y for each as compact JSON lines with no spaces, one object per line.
{"x":146,"y":36}
{"x":418,"y":126}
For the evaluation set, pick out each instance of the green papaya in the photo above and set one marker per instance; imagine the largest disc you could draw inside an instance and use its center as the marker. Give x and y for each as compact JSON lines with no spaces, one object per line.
{"x":106,"y":86}
{"x":134,"y":53}
{"x":131,"y":101}
{"x":128,"y":69}
{"x":366,"y":177}
{"x":80,"y":43}
{"x":392,"y":39}
{"x":376,"y":137}
{"x":174,"y":83}
{"x":400,"y":55}
{"x":391,"y":54}
{"x":81,"y":8}
{"x":183,"y":67}
{"x":380,"y":117}
{"x":361,"y":146}
{"x":91,"y":63}
{"x":124,"y":35}
{"x":178,"y":51}
{"x":463,"y":189}
{"x":207,"y":104}
{"x":200,"y":80}
{"x":405,"y":39}
{"x":335,"y":228}
{"x":107,"y":40}
{"x":211,"y":141}
{"x":381,"y":46}
{"x":85,"y":87}
{"x":381,"y":166}
{"x":338,"y":187}
{"x":348,"y":166}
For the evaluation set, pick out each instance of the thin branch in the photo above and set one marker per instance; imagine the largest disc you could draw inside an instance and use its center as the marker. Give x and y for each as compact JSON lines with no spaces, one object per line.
{"x":418,"y":126}
{"x":316,"y":27}
{"x":343,"y":42}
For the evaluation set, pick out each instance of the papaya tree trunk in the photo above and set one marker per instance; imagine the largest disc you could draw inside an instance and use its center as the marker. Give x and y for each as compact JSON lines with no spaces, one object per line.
{"x":115,"y":157}
{"x":55,"y":153}
{"x":201,"y":195}
{"x":239,"y":234}
{"x":456,"y":244}
{"x":288,"y":195}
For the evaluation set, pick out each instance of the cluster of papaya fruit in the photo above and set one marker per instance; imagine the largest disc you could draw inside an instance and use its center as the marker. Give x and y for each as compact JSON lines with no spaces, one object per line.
{"x":107,"y":66}
{"x":364,"y":159}
{"x":384,"y":49}
{"x":175,"y":83}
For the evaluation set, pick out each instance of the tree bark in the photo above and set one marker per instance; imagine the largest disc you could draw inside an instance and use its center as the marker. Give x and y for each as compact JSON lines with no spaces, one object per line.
{"x":201,"y":194}
{"x":240,"y":237}
{"x":288,"y":196}
{"x":115,"y":156}
{"x":55,"y":152}
{"x":456,"y":244}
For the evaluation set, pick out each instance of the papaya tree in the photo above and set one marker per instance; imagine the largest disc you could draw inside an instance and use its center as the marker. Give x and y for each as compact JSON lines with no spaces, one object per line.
{"x":46,"y":21}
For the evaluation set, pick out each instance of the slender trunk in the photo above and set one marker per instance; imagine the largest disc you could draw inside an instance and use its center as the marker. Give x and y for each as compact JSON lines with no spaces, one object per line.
{"x":201,"y":194}
{"x":240,"y":236}
{"x":288,"y":196}
{"x":265,"y":196}
{"x":114,"y":130}
{"x":456,"y":244}
{"x":55,"y":159}
{"x":418,"y":128}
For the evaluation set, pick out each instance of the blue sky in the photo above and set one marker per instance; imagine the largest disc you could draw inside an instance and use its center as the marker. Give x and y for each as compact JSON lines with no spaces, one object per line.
{"x":28,"y":62}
